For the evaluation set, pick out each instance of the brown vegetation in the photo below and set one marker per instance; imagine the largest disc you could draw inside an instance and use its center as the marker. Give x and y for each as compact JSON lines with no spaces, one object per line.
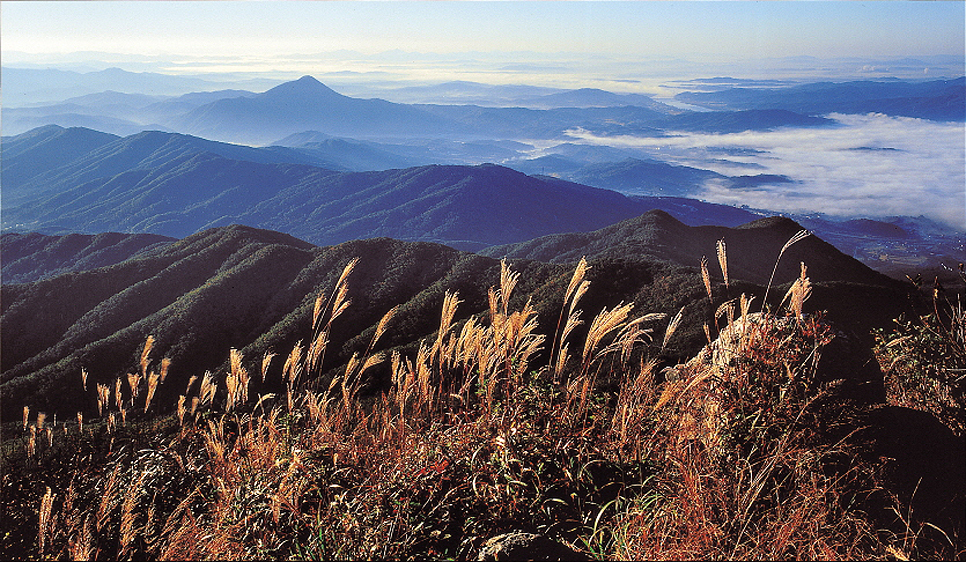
{"x":744,"y":452}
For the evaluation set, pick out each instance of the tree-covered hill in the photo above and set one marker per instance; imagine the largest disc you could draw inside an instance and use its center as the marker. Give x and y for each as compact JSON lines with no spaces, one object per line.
{"x":32,"y":256}
{"x":254,"y":290}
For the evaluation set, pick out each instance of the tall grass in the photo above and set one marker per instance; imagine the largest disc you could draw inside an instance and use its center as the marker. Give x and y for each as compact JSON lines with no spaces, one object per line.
{"x":717,"y":458}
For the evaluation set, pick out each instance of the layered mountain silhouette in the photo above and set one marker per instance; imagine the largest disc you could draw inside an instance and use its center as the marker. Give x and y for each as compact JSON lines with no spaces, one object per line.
{"x":53,"y":159}
{"x":305,"y":104}
{"x":941,"y":100}
{"x":60,"y":181}
{"x":176,"y":185}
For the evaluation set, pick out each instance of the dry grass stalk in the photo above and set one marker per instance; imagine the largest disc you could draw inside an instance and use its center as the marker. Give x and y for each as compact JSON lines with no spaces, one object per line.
{"x":381,"y":327}
{"x":134,"y":382}
{"x":745,"y":303}
{"x":165,"y":366}
{"x":293,"y":365}
{"x":146,"y":355}
{"x":727,"y":309}
{"x":632,"y":402}
{"x":118,"y":400}
{"x":45,"y":532}
{"x":181,"y":409}
{"x":84,"y":378}
{"x":508,"y":282}
{"x":80,"y":421}
{"x":237,"y":381}
{"x":208,"y":389}
{"x":798,"y":237}
{"x":317,"y":310}
{"x":26,"y":416}
{"x":80,"y":546}
{"x":41,"y":419}
{"x":109,"y":499}
{"x":722,"y":252}
{"x":451,"y":302}
{"x":706,"y":277}
{"x":103,"y":398}
{"x":191,"y":381}
{"x":129,"y":515}
{"x":601,"y":326}
{"x":672,"y":327}
{"x":153,"y":380}
{"x":32,"y":441}
{"x":798,"y":293}
{"x":266,"y":363}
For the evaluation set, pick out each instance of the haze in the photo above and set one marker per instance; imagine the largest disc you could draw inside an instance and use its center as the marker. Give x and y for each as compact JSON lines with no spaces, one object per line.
{"x":374,"y":49}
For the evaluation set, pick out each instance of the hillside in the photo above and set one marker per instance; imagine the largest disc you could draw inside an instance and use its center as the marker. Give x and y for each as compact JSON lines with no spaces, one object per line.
{"x":33,"y":256}
{"x":53,"y":159}
{"x":461,"y":421}
{"x":844,"y":286}
{"x":253,"y":290}
{"x":657,"y":235}
{"x":215,"y":290}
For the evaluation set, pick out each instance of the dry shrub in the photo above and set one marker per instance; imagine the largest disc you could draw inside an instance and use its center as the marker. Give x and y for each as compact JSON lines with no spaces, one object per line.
{"x":725,"y":457}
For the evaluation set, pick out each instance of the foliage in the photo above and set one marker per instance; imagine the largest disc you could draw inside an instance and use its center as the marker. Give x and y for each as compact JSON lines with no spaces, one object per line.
{"x":926,"y":360}
{"x":495,"y":422}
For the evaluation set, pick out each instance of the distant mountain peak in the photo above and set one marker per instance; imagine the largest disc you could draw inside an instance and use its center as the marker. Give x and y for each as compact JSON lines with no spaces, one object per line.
{"x":306,"y":85}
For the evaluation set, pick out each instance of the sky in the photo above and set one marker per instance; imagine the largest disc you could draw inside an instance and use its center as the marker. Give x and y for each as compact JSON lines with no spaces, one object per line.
{"x":263,"y":33}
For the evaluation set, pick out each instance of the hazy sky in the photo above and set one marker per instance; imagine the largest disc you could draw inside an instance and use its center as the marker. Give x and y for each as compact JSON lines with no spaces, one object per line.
{"x":642,"y":28}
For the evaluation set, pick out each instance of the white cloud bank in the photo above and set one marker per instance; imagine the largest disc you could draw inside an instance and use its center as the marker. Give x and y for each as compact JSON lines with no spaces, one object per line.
{"x":870,"y":165}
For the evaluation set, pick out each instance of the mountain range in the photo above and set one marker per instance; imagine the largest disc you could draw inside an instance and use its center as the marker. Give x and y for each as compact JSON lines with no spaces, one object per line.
{"x":59,"y":181}
{"x":175,"y":185}
{"x":254,"y":289}
{"x":307,"y":104}
{"x":942,"y":100}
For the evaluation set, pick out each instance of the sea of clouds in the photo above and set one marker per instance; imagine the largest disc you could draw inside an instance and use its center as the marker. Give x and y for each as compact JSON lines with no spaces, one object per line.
{"x":867,"y":166}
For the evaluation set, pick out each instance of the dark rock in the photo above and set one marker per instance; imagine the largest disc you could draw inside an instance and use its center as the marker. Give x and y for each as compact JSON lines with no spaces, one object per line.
{"x":527,"y":546}
{"x":847,"y":359}
{"x":923,"y":467}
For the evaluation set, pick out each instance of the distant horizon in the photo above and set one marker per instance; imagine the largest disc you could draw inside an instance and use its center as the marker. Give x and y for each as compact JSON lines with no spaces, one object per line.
{"x":628,"y":47}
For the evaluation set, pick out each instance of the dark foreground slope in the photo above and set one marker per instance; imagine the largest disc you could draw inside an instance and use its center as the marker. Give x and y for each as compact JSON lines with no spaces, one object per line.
{"x":213,"y":291}
{"x":853,"y":294}
{"x":656,"y":235}
{"x":250,"y":289}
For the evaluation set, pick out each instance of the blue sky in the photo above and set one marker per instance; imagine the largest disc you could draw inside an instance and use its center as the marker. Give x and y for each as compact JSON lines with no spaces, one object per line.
{"x":644,"y":28}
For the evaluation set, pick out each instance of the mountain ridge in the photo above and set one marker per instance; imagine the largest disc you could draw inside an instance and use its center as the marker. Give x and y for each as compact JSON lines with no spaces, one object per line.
{"x":253,"y":289}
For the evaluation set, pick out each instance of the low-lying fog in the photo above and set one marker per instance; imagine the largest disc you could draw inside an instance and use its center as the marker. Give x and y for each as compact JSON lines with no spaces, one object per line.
{"x":869,"y":165}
